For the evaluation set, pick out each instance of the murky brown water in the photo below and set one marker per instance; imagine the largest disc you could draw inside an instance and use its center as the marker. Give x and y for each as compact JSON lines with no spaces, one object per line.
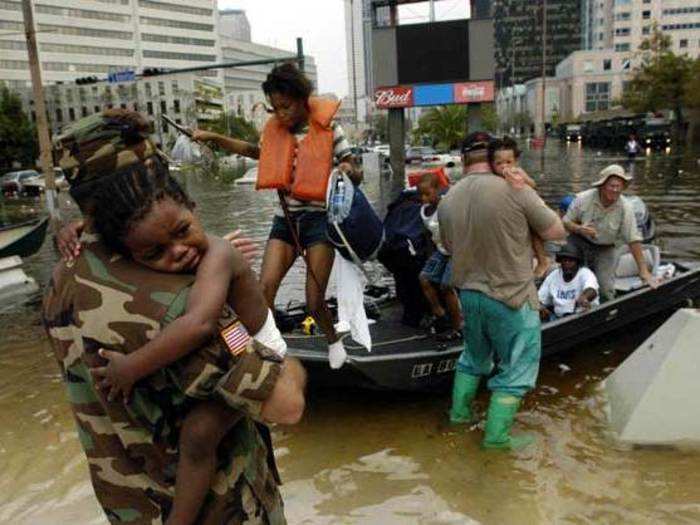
{"x":390,"y":458}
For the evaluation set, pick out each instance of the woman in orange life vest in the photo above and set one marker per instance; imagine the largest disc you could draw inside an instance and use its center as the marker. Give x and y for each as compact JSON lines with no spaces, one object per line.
{"x":298,"y":147}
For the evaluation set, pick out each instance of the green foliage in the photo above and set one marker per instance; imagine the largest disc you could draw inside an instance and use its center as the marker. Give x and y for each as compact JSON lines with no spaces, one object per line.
{"x":489,"y":117}
{"x":18,"y":141}
{"x":446,"y":125}
{"x":232,"y":125}
{"x":691,"y":97}
{"x":661,"y":80}
{"x":380,"y":126}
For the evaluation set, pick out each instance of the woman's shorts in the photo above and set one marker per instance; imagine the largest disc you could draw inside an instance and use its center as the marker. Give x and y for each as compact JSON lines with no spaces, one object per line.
{"x":438,"y":269}
{"x":310,"y":226}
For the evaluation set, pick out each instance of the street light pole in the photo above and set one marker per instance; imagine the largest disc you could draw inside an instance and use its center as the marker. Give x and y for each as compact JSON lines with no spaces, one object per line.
{"x":544,"y":71}
{"x":354,"y":68}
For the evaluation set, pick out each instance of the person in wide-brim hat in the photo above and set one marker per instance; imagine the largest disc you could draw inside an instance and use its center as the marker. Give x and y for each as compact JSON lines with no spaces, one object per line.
{"x":614,"y":170}
{"x":598,"y":220}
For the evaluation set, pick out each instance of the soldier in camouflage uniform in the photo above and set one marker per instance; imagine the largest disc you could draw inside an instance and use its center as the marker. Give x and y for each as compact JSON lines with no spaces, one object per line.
{"x":104,"y":301}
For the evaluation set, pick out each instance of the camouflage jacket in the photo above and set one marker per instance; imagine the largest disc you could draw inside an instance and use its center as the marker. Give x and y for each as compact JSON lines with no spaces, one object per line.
{"x":103,"y":301}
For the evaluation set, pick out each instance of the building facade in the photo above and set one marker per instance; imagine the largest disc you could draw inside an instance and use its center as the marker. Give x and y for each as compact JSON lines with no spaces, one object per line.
{"x":623,"y":25}
{"x":519,"y":37}
{"x":79,"y":38}
{"x":358,"y":50}
{"x":234,"y":23}
{"x":592,"y":81}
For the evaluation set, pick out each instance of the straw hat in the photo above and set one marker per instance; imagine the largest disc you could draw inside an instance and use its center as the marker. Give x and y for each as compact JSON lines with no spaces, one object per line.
{"x":614,"y":170}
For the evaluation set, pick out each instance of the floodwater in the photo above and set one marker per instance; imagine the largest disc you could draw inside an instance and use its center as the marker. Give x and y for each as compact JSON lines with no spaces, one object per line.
{"x":361,"y":457}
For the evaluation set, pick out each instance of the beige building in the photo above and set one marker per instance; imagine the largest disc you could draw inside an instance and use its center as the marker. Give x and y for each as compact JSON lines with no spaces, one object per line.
{"x":533,"y":100}
{"x":591,"y":81}
{"x":622,"y":25}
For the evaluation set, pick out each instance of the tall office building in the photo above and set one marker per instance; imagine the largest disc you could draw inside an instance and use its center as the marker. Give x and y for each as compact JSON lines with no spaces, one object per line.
{"x":622,"y":25}
{"x":519,"y":37}
{"x":234,"y":23}
{"x":358,"y":28}
{"x":481,"y":8}
{"x":93,"y":37}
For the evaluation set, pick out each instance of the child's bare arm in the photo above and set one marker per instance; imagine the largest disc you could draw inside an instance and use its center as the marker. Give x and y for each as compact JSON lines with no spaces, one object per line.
{"x":518,"y":178}
{"x":184,"y":335}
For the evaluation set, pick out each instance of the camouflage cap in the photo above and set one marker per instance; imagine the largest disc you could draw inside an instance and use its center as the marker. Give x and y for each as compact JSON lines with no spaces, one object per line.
{"x":103,"y":143}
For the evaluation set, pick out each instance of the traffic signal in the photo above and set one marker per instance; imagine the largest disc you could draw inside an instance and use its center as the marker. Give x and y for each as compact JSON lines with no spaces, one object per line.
{"x":87,"y":80}
{"x":153,"y":71}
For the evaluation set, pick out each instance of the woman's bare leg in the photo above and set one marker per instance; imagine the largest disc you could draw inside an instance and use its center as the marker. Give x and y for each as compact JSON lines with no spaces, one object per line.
{"x":277,"y":260}
{"x":320,"y":260}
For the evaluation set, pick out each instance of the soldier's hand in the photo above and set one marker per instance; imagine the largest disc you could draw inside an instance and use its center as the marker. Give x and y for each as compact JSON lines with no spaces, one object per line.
{"x":245,"y":245}
{"x":116,"y":377}
{"x":68,"y":240}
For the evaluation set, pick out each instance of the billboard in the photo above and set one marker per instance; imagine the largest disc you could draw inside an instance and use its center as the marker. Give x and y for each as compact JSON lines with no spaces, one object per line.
{"x":433,"y":53}
{"x":434,"y":94}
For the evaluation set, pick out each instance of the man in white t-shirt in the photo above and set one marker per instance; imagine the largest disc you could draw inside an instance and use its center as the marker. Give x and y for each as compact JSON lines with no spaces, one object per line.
{"x":569,"y":289}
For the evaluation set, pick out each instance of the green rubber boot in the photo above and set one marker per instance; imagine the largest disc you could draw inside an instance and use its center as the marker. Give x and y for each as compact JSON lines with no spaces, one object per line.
{"x":502,"y":410}
{"x":463,"y":392}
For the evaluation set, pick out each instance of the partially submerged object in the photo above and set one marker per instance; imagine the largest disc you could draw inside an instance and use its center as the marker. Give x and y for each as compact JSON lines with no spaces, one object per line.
{"x":654,"y":393}
{"x":24,"y":238}
{"x":408,"y":358}
{"x":13,"y":280}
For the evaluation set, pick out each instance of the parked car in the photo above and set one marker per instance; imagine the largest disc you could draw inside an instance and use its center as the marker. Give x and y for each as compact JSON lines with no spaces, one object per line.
{"x":383,"y":149}
{"x":35,"y":186}
{"x":420,"y":154}
{"x":14,"y":181}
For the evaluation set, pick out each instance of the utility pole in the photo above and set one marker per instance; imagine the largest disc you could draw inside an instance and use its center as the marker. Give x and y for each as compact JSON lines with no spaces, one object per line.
{"x":512,"y":85}
{"x":354,"y":68}
{"x":544,"y":73}
{"x":431,"y":11}
{"x":42,"y":125}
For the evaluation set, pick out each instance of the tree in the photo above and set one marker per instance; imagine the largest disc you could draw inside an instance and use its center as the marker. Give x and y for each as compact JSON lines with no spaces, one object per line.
{"x":232,"y":125}
{"x":446,"y":125}
{"x":380,"y":127}
{"x":661,"y":80}
{"x":691,"y":97}
{"x":489,"y":117}
{"x":17,"y":134}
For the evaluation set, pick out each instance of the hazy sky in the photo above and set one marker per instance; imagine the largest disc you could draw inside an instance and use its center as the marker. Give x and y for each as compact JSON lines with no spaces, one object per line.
{"x":321,"y":23}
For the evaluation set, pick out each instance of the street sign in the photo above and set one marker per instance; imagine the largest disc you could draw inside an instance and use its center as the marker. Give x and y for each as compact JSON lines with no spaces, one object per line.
{"x":117,"y":77}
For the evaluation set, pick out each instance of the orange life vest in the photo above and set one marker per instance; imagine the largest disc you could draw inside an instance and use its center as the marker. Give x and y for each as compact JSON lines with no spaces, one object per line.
{"x":307,"y":179}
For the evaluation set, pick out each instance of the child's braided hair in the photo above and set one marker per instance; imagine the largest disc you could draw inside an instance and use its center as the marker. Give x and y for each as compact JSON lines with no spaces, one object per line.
{"x":126,"y":197}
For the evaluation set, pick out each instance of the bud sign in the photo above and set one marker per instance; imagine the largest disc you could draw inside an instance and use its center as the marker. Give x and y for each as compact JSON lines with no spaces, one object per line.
{"x":393,"y":97}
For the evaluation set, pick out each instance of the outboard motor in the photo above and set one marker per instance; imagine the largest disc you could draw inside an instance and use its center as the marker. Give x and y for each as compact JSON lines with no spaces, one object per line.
{"x":645,"y":222}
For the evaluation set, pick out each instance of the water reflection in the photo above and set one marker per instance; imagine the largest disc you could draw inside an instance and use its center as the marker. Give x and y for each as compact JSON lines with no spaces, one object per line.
{"x":363,"y":457}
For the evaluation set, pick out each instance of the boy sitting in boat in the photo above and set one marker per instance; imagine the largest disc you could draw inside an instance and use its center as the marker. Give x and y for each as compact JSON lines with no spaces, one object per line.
{"x":569,"y":289}
{"x":437,"y":270}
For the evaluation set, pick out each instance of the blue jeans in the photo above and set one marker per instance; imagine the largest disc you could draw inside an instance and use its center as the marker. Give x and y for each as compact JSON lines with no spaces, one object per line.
{"x":492,"y":330}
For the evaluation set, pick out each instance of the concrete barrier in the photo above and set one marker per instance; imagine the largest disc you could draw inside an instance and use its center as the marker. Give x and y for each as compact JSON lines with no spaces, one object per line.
{"x":654,"y":394}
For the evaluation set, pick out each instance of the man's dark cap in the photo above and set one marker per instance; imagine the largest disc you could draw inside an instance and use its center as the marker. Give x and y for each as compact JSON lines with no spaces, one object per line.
{"x":478,"y":140}
{"x":569,"y":250}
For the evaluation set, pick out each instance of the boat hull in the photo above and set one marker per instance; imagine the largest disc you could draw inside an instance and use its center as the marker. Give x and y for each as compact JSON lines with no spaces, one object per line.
{"x":407,"y":359}
{"x":23,"y":239}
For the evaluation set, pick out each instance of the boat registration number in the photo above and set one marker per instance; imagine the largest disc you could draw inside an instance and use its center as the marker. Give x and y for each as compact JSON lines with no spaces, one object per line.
{"x":439,"y":367}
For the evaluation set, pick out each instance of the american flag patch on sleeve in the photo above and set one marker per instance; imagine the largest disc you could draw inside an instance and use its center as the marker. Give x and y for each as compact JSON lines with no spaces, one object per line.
{"x":236,"y":337}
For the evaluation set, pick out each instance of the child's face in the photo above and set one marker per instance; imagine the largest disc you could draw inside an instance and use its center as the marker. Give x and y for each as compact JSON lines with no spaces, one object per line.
{"x":428,"y":194}
{"x":503,"y":160}
{"x":290,"y":111}
{"x":168,"y":239}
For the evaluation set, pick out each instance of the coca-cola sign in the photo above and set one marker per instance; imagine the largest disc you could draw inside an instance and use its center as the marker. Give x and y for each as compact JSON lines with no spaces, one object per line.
{"x":467,"y":92}
{"x":393,"y":97}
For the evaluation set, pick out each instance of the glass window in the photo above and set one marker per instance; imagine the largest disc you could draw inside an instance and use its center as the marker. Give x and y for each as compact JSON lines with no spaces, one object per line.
{"x":607,"y":64}
{"x":588,"y":67}
{"x":683,"y":43}
{"x":59,"y":115}
{"x":646,"y":30}
{"x":597,"y":96}
{"x":163,"y":107}
{"x":84,"y":111}
{"x":149,"y":108}
{"x":176,"y":106}
{"x":621,"y":48}
{"x":148,"y":88}
{"x":622,"y":31}
{"x":646,"y":15}
{"x":161,"y":88}
{"x":166,"y":22}
{"x":71,"y":114}
{"x":97,"y":109}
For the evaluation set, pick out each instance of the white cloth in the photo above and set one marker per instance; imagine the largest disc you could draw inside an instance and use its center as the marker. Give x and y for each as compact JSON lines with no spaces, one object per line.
{"x":351,"y":283}
{"x":432,"y":224}
{"x":632,"y":146}
{"x":270,"y":337}
{"x":555,"y":291}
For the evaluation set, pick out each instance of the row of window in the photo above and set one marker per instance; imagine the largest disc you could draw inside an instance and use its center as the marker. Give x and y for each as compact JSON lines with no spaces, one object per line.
{"x":82,"y":68}
{"x":85,"y":31}
{"x":81,"y":13}
{"x":169,"y":55}
{"x":681,"y":10}
{"x":165,"y":6}
{"x":164,"y":22}
{"x":14,"y":5}
{"x":673,"y":27}
{"x":84,"y":110}
{"x":597,"y":96}
{"x":167,"y":39}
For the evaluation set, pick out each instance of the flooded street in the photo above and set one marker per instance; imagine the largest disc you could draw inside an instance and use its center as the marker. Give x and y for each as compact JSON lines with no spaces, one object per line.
{"x":363,"y":457}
